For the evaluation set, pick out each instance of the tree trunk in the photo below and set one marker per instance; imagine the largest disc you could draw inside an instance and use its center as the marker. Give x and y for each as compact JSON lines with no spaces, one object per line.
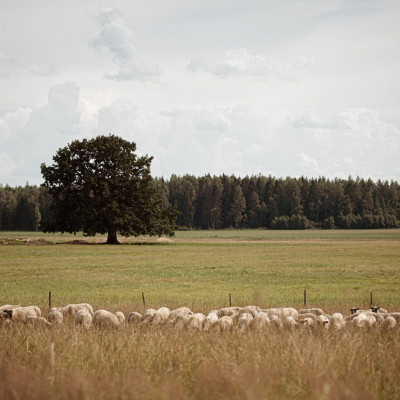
{"x":112,"y":237}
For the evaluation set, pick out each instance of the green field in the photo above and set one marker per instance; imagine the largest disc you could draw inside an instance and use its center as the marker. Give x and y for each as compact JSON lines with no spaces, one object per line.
{"x":200,"y":269}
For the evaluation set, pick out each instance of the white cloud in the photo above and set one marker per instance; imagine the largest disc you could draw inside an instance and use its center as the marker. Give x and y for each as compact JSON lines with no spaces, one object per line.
{"x":243,"y":62}
{"x":6,"y":165}
{"x":116,"y":37}
{"x":43,"y":70}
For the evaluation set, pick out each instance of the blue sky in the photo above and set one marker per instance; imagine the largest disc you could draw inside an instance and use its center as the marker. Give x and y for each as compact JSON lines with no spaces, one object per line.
{"x":287,"y":88}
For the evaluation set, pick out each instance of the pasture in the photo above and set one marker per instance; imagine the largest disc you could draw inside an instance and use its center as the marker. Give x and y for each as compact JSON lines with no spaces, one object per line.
{"x":199,"y":269}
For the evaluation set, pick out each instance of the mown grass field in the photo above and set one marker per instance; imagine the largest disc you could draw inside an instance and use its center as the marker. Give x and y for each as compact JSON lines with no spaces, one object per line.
{"x":201,"y":268}
{"x":338,"y":269}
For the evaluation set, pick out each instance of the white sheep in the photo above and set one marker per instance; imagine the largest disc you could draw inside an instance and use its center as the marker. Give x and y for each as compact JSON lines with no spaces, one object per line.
{"x":283,"y":312}
{"x":181,"y":321}
{"x":55,"y":315}
{"x":260,"y":321}
{"x":227,"y":311}
{"x":121,"y":317}
{"x":34,"y":320}
{"x":275,"y":320}
{"x":244,"y":321}
{"x":134,"y":317}
{"x":209,"y":320}
{"x":396,"y":316}
{"x":8,"y":307}
{"x":105,"y":318}
{"x":315,"y":311}
{"x":337,"y":321}
{"x":20,"y":314}
{"x":196,"y":321}
{"x":160,"y":316}
{"x":307,"y":322}
{"x":363,"y":320}
{"x":323,"y":320}
{"x":389,"y":322}
{"x":83,"y":318}
{"x":253,"y":310}
{"x":289,"y":321}
{"x":223,"y":324}
{"x":72,"y":309}
{"x":148,"y":314}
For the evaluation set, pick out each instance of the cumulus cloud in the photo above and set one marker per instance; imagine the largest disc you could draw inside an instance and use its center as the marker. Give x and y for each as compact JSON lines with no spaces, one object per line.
{"x":243,"y":62}
{"x":115,"y":36}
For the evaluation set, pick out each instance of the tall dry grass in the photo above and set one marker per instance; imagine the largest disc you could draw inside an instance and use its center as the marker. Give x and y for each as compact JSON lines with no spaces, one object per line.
{"x":67,"y":362}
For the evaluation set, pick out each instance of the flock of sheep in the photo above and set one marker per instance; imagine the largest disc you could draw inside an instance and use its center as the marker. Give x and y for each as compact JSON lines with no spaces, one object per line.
{"x":222,"y":320}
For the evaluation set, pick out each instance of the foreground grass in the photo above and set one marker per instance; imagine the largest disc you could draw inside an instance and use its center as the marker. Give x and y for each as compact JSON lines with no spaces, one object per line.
{"x":160,"y":363}
{"x":200,"y":269}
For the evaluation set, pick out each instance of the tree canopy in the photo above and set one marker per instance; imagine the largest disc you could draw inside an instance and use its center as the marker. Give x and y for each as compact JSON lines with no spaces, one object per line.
{"x":101,"y":186}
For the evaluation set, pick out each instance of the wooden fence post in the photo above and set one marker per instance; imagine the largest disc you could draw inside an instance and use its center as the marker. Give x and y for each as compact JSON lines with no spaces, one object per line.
{"x":370,"y":299}
{"x":230,"y":300}
{"x":49,"y":300}
{"x":305,"y":297}
{"x":144,"y":301}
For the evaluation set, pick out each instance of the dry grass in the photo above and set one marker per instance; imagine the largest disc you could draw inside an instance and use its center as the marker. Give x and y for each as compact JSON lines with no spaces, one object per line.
{"x":162,"y":363}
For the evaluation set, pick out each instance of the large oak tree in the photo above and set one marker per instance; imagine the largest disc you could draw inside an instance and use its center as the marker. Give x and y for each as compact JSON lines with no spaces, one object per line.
{"x":101,"y":186}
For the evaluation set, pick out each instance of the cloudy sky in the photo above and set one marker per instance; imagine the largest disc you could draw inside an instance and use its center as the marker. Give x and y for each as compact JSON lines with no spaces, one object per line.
{"x":280,"y":87}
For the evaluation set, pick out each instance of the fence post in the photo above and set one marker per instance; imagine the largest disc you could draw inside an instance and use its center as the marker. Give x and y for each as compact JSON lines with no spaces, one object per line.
{"x":144,"y":301}
{"x":370,"y":299}
{"x":305,"y":297}
{"x":49,"y":300}
{"x":230,"y":300}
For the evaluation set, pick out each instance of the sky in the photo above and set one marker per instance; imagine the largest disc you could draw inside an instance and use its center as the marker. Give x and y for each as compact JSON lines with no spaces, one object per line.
{"x":274,"y":87}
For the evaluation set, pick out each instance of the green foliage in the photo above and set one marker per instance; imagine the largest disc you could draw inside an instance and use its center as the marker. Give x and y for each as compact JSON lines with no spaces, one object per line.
{"x":101,"y":186}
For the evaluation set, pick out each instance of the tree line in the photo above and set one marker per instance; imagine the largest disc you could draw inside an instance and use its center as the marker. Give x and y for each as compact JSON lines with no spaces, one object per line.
{"x":222,"y":202}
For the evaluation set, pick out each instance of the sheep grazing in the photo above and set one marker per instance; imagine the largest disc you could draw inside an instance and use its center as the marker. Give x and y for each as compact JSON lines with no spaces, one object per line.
{"x":275,"y":320}
{"x":315,"y":311}
{"x":55,"y":315}
{"x":253,"y":310}
{"x":209,"y":320}
{"x":260,"y":321}
{"x":396,"y":316}
{"x":38,"y":321}
{"x":289,"y":321}
{"x":223,"y":324}
{"x":105,"y":318}
{"x":307,"y":322}
{"x":337,"y":321}
{"x":20,"y":314}
{"x":323,"y":321}
{"x":8,"y":307}
{"x":244,"y":321}
{"x":283,"y":312}
{"x":72,"y":309}
{"x":363,"y":320}
{"x":181,"y":321}
{"x":134,"y":318}
{"x":160,"y":316}
{"x":121,"y":317}
{"x":227,"y":311}
{"x":148,"y":314}
{"x":83,"y":318}
{"x":196,"y":321}
{"x":389,"y":322}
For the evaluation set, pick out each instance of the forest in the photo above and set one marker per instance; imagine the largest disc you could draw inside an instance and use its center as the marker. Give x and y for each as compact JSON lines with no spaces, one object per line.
{"x":229,"y":202}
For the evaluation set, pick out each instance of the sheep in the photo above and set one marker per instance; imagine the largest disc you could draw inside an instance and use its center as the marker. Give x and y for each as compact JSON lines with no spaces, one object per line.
{"x":223,"y":324}
{"x":227,"y":311}
{"x":337,"y":321}
{"x":302,"y":317}
{"x":253,"y":310}
{"x":283,"y":312}
{"x":105,"y":318}
{"x":196,"y":321}
{"x":134,"y":317}
{"x":323,"y":321}
{"x":148,"y":314}
{"x":275,"y":320}
{"x":160,"y":316}
{"x":182,"y":311}
{"x":396,"y":316}
{"x":72,"y":309}
{"x":34,"y":320}
{"x":378,"y":310}
{"x":307,"y":322}
{"x":315,"y":311}
{"x":289,"y":321}
{"x":389,"y":322}
{"x":8,"y":307}
{"x":209,"y":321}
{"x":20,"y":314}
{"x":83,"y":318}
{"x":181,"y":321}
{"x":260,"y":321}
{"x":55,"y":316}
{"x":121,"y":317}
{"x":364,"y":320}
{"x":244,"y":321}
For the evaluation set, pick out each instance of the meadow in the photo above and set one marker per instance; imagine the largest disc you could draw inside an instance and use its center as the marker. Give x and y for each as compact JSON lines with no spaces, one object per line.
{"x":199,"y":269}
